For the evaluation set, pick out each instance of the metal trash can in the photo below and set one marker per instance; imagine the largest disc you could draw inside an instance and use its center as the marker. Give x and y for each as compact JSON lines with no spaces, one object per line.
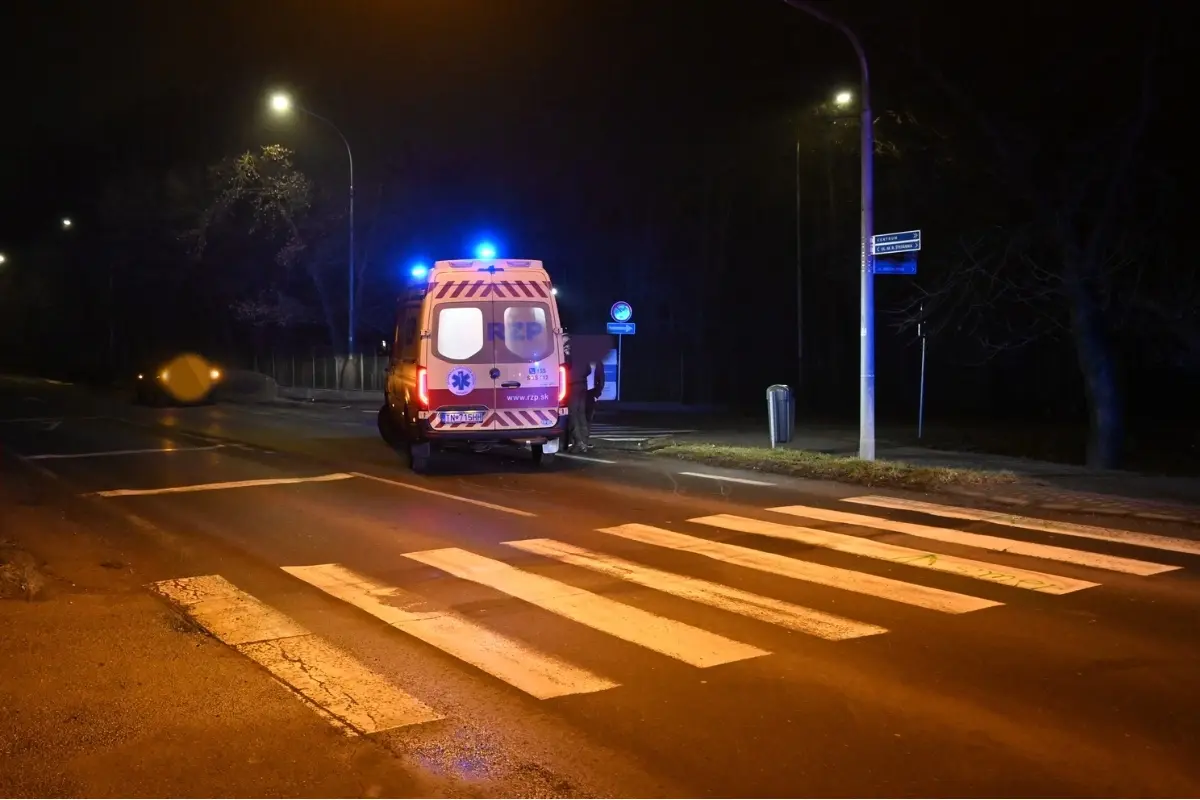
{"x":781,"y":413}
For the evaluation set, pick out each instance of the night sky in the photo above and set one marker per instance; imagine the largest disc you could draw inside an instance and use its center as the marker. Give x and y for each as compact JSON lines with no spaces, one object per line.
{"x":500,"y":89}
{"x":494,"y":91}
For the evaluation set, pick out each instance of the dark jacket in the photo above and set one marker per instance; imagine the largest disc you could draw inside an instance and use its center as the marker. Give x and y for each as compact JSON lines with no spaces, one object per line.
{"x":577,"y":372}
{"x":598,"y":380}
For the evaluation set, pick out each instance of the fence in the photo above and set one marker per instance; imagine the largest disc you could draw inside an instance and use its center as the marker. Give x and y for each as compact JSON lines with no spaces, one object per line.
{"x":314,"y":371}
{"x":651,"y":373}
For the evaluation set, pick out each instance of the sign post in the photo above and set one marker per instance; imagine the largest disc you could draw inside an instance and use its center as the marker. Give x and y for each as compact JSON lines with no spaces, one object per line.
{"x":622,"y":325}
{"x":896,"y":253}
{"x":921,"y":398}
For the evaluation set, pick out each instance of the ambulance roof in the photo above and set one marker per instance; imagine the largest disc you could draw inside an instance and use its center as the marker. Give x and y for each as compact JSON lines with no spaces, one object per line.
{"x":486,"y":265}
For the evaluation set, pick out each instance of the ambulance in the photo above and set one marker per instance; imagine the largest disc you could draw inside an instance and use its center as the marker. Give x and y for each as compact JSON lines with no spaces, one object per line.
{"x":478,"y":360}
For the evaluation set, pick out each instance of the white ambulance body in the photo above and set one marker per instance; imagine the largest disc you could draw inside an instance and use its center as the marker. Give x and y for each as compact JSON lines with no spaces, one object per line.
{"x":477,"y":359}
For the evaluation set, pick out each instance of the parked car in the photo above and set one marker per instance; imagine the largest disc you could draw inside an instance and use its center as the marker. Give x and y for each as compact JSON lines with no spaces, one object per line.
{"x":186,"y":379}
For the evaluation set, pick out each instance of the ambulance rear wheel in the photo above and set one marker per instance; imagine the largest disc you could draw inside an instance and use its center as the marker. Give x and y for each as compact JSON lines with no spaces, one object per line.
{"x":387,"y":426}
{"x":418,"y":456}
{"x":539,"y":454}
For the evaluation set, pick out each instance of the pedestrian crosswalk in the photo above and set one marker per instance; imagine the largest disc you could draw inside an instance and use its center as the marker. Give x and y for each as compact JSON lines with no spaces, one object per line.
{"x":806,"y":571}
{"x":727,"y":598}
{"x":358,"y":700}
{"x":335,"y":684}
{"x":513,"y":662}
{"x":870,"y":548}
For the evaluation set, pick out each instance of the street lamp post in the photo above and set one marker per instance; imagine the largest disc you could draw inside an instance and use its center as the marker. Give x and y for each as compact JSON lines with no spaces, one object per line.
{"x":866,"y":332}
{"x":799,"y":280}
{"x":282,"y":103}
{"x":841,"y":99}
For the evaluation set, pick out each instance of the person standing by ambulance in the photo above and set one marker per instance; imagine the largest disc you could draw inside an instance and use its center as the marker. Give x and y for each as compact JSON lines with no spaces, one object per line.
{"x":579,"y":369}
{"x":594,"y":391}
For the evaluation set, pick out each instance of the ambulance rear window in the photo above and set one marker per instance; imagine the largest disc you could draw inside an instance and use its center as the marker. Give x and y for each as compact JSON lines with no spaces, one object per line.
{"x":458,"y":332}
{"x":526,"y":332}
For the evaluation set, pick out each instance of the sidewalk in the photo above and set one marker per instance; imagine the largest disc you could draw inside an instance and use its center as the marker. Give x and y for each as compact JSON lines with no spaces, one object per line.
{"x":1041,"y":484}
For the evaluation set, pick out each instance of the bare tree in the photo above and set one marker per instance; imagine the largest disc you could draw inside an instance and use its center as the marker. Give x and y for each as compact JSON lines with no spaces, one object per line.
{"x":1075,"y":265}
{"x":275,"y":201}
{"x":271,"y":308}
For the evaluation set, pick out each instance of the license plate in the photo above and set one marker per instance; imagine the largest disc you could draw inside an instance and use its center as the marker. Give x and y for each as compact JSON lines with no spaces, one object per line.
{"x":460,"y":417}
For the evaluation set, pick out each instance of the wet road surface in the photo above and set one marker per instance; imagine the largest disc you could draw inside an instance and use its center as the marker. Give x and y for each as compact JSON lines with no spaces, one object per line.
{"x":636,"y":627}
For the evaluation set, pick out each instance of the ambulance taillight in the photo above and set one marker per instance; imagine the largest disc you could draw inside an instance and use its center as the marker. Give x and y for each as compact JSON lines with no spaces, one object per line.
{"x":562,"y":384}
{"x":423,"y":387}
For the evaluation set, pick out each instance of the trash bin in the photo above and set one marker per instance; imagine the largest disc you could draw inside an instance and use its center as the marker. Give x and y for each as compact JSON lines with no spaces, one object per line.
{"x":781,"y":413}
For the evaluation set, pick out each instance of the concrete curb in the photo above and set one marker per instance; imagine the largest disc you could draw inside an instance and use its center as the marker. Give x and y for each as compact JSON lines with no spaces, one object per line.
{"x":1027,"y":493}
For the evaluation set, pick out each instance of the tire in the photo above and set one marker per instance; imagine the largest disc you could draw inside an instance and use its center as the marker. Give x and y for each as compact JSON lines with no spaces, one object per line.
{"x":387,"y":426}
{"x":418,"y":457}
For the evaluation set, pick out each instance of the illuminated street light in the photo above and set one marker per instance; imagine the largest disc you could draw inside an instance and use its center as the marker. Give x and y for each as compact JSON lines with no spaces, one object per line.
{"x":843,"y":98}
{"x":66,"y":223}
{"x":3,"y":258}
{"x":281,"y":103}
{"x":866,"y":292}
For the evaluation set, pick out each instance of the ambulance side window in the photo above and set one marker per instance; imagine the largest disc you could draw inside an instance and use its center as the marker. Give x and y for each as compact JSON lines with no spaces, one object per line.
{"x":406,"y":328}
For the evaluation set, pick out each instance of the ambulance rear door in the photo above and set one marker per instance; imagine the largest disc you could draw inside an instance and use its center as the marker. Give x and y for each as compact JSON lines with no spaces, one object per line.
{"x":460,"y":362}
{"x":526,"y":350}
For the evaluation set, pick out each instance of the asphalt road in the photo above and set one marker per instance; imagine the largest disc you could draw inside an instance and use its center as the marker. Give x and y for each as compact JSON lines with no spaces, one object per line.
{"x":621,"y":627}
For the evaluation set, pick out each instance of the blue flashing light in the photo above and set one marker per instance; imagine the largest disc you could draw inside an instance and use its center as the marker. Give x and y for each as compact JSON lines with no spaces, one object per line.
{"x":418,"y":271}
{"x":485,"y":250}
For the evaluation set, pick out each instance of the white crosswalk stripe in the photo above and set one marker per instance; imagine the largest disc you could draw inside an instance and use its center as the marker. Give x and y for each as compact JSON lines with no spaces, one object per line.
{"x":675,"y":639}
{"x":360,"y":701}
{"x":766,"y":609}
{"x":996,"y":543}
{"x":845,"y":579}
{"x":922,"y":559}
{"x":1151,"y":540}
{"x":511,"y":661}
{"x":335,"y":684}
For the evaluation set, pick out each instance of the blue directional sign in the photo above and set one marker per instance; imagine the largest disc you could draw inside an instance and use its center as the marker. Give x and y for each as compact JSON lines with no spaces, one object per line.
{"x":904,"y":242}
{"x":895,"y":264}
{"x":622,"y":328}
{"x":621,"y":311}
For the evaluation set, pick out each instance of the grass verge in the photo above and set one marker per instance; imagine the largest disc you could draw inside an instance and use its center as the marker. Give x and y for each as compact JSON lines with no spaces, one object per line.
{"x":820,"y":466}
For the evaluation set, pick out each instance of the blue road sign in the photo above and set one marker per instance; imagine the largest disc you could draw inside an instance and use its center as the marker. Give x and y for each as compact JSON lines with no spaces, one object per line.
{"x":622,"y":328}
{"x":621,"y":312}
{"x":895,"y":264}
{"x":903,"y":242}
